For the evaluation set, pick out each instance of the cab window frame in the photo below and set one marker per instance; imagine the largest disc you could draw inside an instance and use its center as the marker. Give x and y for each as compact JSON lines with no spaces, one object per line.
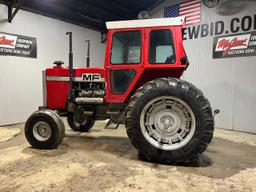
{"x":141,"y":49}
{"x":173,"y":47}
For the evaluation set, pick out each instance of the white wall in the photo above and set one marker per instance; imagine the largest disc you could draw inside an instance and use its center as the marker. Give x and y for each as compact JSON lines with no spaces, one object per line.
{"x":20,"y":78}
{"x":228,"y":83}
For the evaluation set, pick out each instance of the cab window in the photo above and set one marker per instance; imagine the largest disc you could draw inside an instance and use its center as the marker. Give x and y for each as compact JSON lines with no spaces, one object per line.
{"x":126,"y":47}
{"x":161,"y":47}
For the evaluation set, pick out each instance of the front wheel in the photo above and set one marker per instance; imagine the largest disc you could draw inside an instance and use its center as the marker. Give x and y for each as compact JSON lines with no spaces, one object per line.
{"x":169,"y":120}
{"x":44,"y":129}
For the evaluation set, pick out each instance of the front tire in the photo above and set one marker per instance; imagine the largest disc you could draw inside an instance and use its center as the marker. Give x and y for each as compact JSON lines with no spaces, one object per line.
{"x":84,"y":126}
{"x":44,"y":129}
{"x":169,"y":121}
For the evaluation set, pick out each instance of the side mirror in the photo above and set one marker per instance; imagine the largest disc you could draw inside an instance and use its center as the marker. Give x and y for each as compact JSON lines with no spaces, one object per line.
{"x":184,"y":60}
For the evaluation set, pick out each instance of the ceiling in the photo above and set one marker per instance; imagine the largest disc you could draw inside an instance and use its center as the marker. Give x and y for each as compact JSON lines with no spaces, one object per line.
{"x":87,"y":13}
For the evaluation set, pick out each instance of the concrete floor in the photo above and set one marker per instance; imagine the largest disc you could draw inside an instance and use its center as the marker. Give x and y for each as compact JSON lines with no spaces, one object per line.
{"x":104,"y":160}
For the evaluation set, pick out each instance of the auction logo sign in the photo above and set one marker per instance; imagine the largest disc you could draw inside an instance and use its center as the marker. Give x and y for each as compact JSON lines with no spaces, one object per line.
{"x":17,"y":45}
{"x":240,"y":45}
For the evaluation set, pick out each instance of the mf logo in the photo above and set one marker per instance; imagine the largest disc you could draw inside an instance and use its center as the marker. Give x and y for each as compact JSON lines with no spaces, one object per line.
{"x":92,"y":77}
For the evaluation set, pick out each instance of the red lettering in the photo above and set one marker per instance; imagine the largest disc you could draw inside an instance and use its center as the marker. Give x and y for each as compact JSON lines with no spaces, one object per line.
{"x":4,"y":41}
{"x":228,"y":45}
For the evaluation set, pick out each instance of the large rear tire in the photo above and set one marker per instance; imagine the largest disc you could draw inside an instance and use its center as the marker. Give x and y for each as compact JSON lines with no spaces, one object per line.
{"x":84,"y":126}
{"x":169,"y":120}
{"x":44,"y":129}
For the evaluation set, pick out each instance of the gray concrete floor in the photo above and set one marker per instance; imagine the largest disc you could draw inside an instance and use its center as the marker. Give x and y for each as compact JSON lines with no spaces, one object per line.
{"x":104,"y":160}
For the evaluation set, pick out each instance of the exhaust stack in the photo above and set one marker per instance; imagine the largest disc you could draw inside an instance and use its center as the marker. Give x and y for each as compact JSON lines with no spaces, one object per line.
{"x":71,"y":68}
{"x":88,"y":53}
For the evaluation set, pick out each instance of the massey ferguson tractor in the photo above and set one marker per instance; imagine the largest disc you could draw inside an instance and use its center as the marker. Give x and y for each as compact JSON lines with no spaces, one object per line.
{"x":167,"y":119}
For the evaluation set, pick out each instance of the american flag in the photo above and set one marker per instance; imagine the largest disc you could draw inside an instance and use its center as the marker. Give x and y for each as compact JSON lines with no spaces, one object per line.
{"x":191,"y":9}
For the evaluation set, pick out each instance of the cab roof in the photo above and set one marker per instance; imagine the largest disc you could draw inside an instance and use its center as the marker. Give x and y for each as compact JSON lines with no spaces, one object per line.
{"x":159,"y":22}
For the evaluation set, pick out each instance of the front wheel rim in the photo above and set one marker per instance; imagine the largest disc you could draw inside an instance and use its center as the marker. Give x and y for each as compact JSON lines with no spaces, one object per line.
{"x":167,"y":123}
{"x":42,"y":131}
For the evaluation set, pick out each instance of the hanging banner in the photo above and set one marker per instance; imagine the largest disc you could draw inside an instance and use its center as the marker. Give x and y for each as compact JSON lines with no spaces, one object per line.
{"x":17,"y":45}
{"x":240,"y":45}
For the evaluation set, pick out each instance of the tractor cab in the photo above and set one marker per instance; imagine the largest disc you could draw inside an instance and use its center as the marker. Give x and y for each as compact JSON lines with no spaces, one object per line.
{"x":141,"y":50}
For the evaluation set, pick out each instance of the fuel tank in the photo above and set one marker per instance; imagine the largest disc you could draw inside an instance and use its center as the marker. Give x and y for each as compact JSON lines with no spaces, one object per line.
{"x":57,"y":84}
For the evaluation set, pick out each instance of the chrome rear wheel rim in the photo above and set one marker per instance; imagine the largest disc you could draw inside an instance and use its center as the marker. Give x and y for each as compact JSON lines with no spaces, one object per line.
{"x":167,"y":123}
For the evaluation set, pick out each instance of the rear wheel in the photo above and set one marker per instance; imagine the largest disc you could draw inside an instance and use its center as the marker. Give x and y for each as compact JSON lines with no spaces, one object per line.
{"x":83,"y":126}
{"x":44,"y":129}
{"x":169,"y":120}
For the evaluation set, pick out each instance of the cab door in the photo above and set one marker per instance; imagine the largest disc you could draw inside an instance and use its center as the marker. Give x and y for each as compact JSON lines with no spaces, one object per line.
{"x":123,"y":64}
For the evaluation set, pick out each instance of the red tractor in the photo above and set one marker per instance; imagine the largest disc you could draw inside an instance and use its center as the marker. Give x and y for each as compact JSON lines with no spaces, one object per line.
{"x":167,"y":119}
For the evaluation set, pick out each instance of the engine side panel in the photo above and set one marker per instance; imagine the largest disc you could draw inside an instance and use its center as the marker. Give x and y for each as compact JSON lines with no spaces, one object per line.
{"x":57,"y":87}
{"x":57,"y":94}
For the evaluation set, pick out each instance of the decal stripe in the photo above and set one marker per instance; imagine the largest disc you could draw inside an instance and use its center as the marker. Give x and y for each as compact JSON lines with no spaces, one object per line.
{"x":57,"y":78}
{"x":76,"y":79}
